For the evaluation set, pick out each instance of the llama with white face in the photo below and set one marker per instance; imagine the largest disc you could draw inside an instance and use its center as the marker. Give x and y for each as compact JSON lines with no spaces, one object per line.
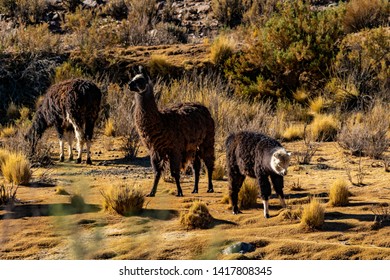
{"x":72,"y":107}
{"x":257,"y":156}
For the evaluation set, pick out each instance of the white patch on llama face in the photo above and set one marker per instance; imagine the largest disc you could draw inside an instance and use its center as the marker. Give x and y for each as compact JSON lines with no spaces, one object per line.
{"x":279,"y":161}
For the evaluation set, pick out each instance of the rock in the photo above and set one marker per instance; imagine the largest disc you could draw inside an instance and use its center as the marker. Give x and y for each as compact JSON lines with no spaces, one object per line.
{"x":239,"y":247}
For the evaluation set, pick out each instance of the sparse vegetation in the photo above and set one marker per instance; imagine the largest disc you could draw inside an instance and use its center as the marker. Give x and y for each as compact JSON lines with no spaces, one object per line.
{"x":124,"y":200}
{"x":16,"y":169}
{"x":197,"y":216}
{"x":339,"y":193}
{"x":313,"y":215}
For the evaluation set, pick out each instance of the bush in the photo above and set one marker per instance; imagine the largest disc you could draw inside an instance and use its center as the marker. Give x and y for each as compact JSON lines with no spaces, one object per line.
{"x":198,"y":216}
{"x":365,"y":134}
{"x":221,"y":50}
{"x":67,"y":71}
{"x":124,"y":200}
{"x":361,"y":70}
{"x":26,"y":11}
{"x":109,"y":127}
{"x":362,"y":14}
{"x":338,"y":193}
{"x":247,"y":197}
{"x":293,"y":132}
{"x":228,"y":12}
{"x":294,"y":49}
{"x":313,"y":215}
{"x":7,"y":194}
{"x":4,"y":154}
{"x":16,"y":169}
{"x":8,"y":131}
{"x":324,"y":128}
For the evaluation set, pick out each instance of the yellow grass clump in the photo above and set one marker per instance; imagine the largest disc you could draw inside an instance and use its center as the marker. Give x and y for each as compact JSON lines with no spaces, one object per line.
{"x":219,"y":172}
{"x":293,"y":132}
{"x":247,"y":197}
{"x":4,"y":154}
{"x":8,"y":131}
{"x":124,"y":200}
{"x":198,"y":216}
{"x":324,"y":127}
{"x":221,"y":49}
{"x":109,"y":128}
{"x":313,"y":215}
{"x":16,"y":169}
{"x":317,"y":104}
{"x":338,"y":193}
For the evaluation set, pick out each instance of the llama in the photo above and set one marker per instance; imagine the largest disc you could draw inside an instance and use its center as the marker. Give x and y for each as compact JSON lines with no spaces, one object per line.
{"x":257,"y":156}
{"x":72,"y":107}
{"x":181,"y":134}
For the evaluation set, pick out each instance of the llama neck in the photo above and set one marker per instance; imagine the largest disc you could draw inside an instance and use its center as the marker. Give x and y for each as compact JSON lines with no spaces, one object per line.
{"x":146,"y":110}
{"x":38,"y":127}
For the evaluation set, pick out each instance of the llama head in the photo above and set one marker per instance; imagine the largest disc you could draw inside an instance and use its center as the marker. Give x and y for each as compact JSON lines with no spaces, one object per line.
{"x":279,"y":161}
{"x":141,"y":82}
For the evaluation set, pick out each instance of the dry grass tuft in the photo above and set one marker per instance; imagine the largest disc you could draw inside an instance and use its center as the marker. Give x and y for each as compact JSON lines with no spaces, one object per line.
{"x":61,"y":191}
{"x":8,"y":131}
{"x":124,"y":200}
{"x":338,"y":193}
{"x":221,"y":50}
{"x":247,"y":197}
{"x":109,"y":127}
{"x":293,"y":132}
{"x":313,"y":215}
{"x":219,"y":172}
{"x":291,"y":214}
{"x":7,"y":194}
{"x":4,"y":154}
{"x":198,"y":216}
{"x":16,"y":169}
{"x":324,"y":127}
{"x":317,"y":105}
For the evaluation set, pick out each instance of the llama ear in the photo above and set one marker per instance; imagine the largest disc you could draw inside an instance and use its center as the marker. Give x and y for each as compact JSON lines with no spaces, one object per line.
{"x":144,"y":71}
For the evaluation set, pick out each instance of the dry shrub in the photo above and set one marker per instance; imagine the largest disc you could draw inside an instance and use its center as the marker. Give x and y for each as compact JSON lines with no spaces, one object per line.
{"x":67,"y":71}
{"x":291,"y":214}
{"x":362,"y":14}
{"x":247,"y":197}
{"x":7,"y":194}
{"x":365,"y":134}
{"x":219,"y":171}
{"x":109,"y":127}
{"x":4,"y":154}
{"x":324,"y":127}
{"x":124,"y":200}
{"x":221,"y":50}
{"x":16,"y":169}
{"x":228,"y":12}
{"x":338,"y":193}
{"x":317,"y":104}
{"x":294,"y":132}
{"x":313,"y":215}
{"x":198,"y":216}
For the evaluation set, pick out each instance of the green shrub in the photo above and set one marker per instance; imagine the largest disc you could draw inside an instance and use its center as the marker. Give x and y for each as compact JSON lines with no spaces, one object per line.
{"x":67,"y":71}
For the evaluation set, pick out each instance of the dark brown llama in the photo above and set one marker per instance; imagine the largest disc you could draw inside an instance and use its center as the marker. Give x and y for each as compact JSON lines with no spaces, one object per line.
{"x":257,"y":156}
{"x":72,"y":107}
{"x":181,"y":134}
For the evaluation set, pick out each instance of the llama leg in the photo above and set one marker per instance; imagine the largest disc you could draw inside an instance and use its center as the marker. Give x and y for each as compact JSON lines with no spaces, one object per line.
{"x":265,"y":189}
{"x":209,"y":158}
{"x":80,"y":144}
{"x":236,"y":179}
{"x":175,"y":161}
{"x":89,"y":161}
{"x":277,"y":183}
{"x":70,"y":144}
{"x":196,"y":167}
{"x":157,"y":167}
{"x":89,"y":125}
{"x":61,"y":149}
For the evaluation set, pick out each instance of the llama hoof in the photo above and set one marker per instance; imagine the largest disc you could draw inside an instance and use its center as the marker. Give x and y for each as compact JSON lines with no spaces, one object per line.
{"x":62,"y":159}
{"x":267,"y":216}
{"x":89,"y":161}
{"x":70,"y":159}
{"x":150,"y":195}
{"x":180,"y":195}
{"x":210,"y":190}
{"x":195,"y":191}
{"x":78,"y":160}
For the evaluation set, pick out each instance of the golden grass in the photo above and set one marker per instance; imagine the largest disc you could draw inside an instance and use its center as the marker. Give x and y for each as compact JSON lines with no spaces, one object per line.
{"x":247,"y":197}
{"x":324,"y":127}
{"x":4,"y":154}
{"x":60,"y":191}
{"x":218,"y":172}
{"x":197,"y":216}
{"x":109,"y":127}
{"x":313,"y":215}
{"x":301,"y":95}
{"x":317,"y":104}
{"x":8,"y":131}
{"x":221,"y":49}
{"x":294,"y":132}
{"x":124,"y":200}
{"x":338,"y":193}
{"x":16,"y":169}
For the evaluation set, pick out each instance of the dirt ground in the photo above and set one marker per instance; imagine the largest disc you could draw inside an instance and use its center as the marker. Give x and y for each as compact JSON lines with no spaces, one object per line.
{"x":45,"y":225}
